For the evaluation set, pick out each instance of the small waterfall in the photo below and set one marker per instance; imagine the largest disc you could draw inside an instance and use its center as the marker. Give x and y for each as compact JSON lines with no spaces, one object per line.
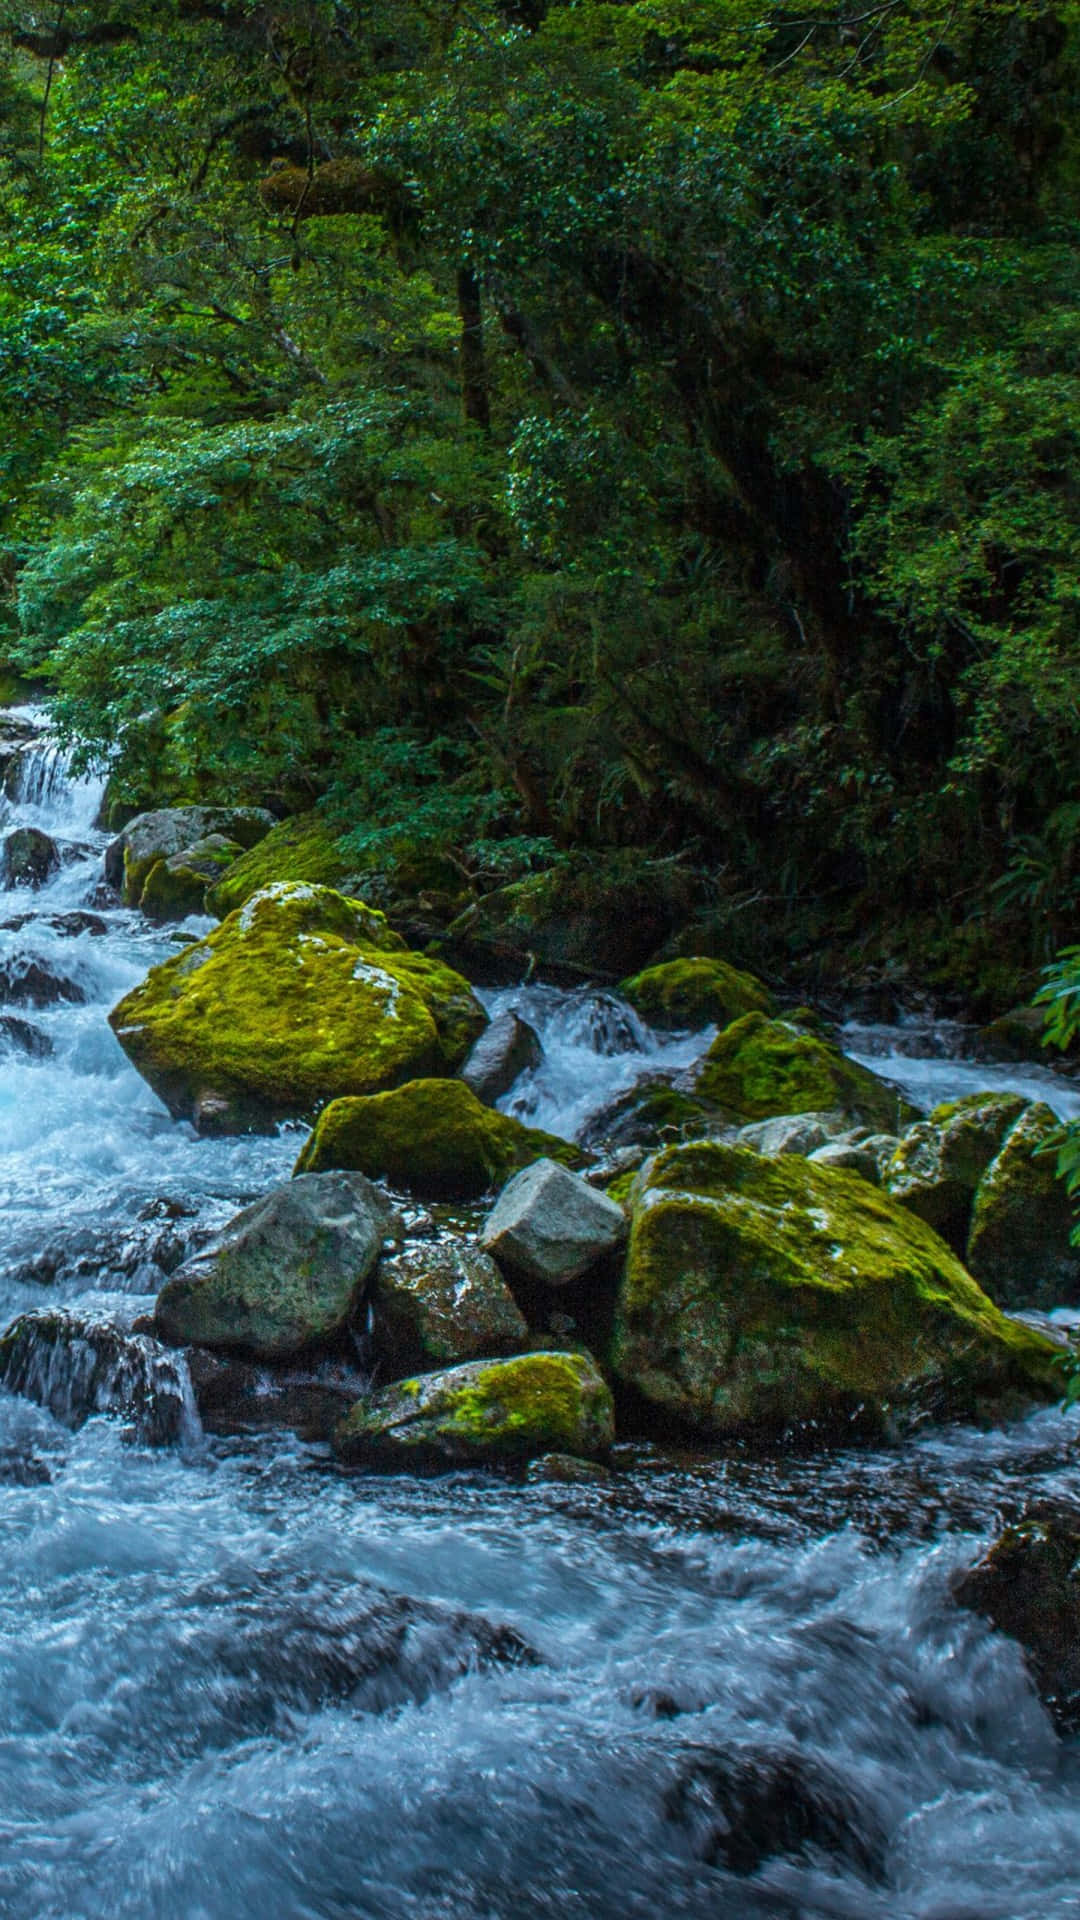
{"x":77,"y":1367}
{"x":39,"y":784}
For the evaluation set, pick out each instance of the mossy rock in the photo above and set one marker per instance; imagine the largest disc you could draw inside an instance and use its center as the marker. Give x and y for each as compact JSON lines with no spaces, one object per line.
{"x":431,"y":1137}
{"x":301,"y":850}
{"x":603,"y":917}
{"x":760,"y":1067}
{"x":651,"y":1114}
{"x":938,"y":1164}
{"x":300,"y":997}
{"x":487,"y":1412}
{"x":695,"y":993}
{"x":762,"y":1292}
{"x":177,"y":886}
{"x":1020,"y":1247}
{"x":166,"y":831}
{"x":433,"y":1305}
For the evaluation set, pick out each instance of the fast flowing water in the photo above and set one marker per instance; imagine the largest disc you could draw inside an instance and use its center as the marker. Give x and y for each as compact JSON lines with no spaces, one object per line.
{"x":216,"y":1705}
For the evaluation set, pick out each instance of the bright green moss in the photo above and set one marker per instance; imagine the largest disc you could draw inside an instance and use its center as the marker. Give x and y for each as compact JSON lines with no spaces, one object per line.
{"x":759,"y":1067}
{"x":1020,"y":1245}
{"x":938,"y":1164}
{"x":493,"y":1410}
{"x":695,"y":993}
{"x":177,"y":886}
{"x":762,"y":1291}
{"x":300,"y":997}
{"x":432,"y":1137}
{"x":299,"y":850}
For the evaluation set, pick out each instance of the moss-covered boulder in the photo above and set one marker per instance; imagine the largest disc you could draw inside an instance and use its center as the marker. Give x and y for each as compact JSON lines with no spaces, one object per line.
{"x":303,"y":850}
{"x":176,"y":887}
{"x":1019,"y":1247}
{"x":488,"y":1412}
{"x":758,"y":1067}
{"x":166,"y":831}
{"x":764,"y":1292}
{"x":300,"y":997}
{"x":431,"y":1137}
{"x":438,"y":1303}
{"x":600,"y":916}
{"x":286,"y":1275}
{"x":938,"y":1164}
{"x":695,"y":993}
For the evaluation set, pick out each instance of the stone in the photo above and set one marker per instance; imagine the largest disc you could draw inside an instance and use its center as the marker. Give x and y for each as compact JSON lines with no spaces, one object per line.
{"x":1028,"y":1585}
{"x":743,"y":1807}
{"x":300,"y":997}
{"x":549,"y":1225}
{"x":765,"y":1293}
{"x":650,"y":1114}
{"x":158,"y":835}
{"x":847,"y":1153}
{"x":486,"y":1412}
{"x":286,"y":1275}
{"x":508,"y":1048}
{"x":28,"y":858}
{"x":24,"y":1037}
{"x":441,"y":1302}
{"x":239,"y":1396}
{"x":587,"y":917}
{"x":25,"y":982}
{"x":759,"y":1067}
{"x":77,"y":1366}
{"x":177,"y":886}
{"x":939,"y":1162}
{"x":695,"y":993}
{"x":801,"y":1133}
{"x":300,"y":851}
{"x":430,"y":1137}
{"x":1019,"y":1247}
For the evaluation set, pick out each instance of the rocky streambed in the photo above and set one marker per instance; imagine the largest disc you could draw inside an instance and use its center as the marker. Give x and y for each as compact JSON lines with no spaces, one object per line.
{"x":691,"y":1676}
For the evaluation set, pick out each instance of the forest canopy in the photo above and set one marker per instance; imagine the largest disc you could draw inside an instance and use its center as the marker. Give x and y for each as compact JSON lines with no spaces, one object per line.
{"x":537,"y":430}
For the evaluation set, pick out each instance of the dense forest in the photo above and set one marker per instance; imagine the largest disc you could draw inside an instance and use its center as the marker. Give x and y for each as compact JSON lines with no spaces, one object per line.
{"x":637,"y":442}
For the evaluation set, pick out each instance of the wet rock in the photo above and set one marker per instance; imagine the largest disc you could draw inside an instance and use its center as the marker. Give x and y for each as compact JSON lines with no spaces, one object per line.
{"x":159,"y":835}
{"x":1019,"y":1247}
{"x":509,"y":1047}
{"x":287,"y":1274}
{"x":747,"y":1806}
{"x":439,"y":1303}
{"x":300,"y":997}
{"x":29,"y":982}
{"x":594,"y":918}
{"x":1028,"y":1585}
{"x":234,"y":1396}
{"x":651,"y":1114}
{"x":484,"y":1413}
{"x":759,"y":1067}
{"x":550,"y":1226}
{"x":1015,"y":1035}
{"x":801,"y":1133}
{"x":566,"y":1470}
{"x":431,"y":1137}
{"x":695,"y":993}
{"x":27,"y":858}
{"x":847,"y":1154}
{"x":177,"y":886}
{"x":76,"y":1367}
{"x":137,"y":1256}
{"x":21,"y":1036}
{"x":939,"y":1162}
{"x":765,"y":1292}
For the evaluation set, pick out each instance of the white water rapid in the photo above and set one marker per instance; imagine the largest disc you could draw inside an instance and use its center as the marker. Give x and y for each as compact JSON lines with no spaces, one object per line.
{"x":239,"y":1684}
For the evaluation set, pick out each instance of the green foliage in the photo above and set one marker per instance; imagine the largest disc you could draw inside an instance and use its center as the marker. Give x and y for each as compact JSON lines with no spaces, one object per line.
{"x":1059,"y":997}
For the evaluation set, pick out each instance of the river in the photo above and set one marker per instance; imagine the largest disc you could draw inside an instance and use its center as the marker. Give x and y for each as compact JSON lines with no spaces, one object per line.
{"x":214,"y":1704}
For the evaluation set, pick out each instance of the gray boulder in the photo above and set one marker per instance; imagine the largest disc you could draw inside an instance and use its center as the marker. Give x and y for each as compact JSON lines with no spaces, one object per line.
{"x":1019,"y":1248}
{"x":159,"y":835}
{"x":939,"y":1162}
{"x":27,"y":858}
{"x":848,"y":1154}
{"x":550,"y":1225}
{"x":801,"y":1133}
{"x":507,"y":1048}
{"x":287,"y":1273}
{"x":435,"y":1304}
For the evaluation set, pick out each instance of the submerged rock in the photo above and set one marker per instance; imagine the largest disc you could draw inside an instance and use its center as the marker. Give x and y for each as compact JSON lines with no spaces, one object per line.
{"x":759,"y":1067}
{"x":431,"y":1137}
{"x":489,"y":1411}
{"x":76,"y":1367}
{"x":508,"y":1048}
{"x":1019,"y":1247}
{"x":549,"y":1225}
{"x":695,"y":993}
{"x":442,"y":1302}
{"x":1028,"y":1585}
{"x":27,"y":858}
{"x":159,"y":835}
{"x":287,"y":1273}
{"x":23,"y":1037}
{"x":939,"y":1162}
{"x":298,"y":998}
{"x":743,"y":1807}
{"x":26,"y":982}
{"x":761,"y":1292}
